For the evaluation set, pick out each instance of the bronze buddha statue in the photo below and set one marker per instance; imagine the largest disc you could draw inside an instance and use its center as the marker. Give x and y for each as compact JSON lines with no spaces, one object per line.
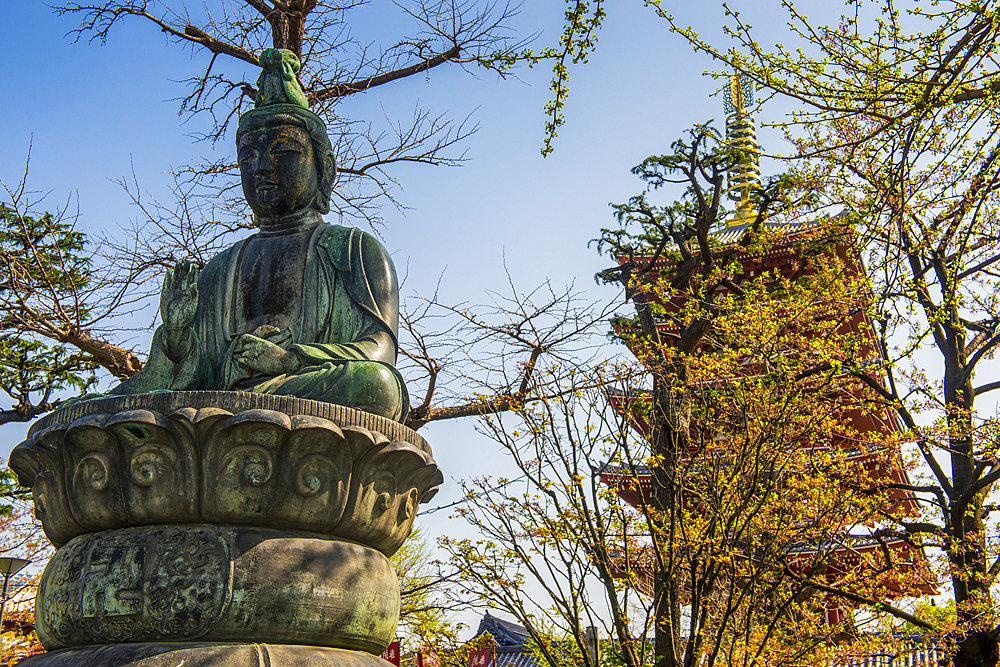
{"x":302,"y":308}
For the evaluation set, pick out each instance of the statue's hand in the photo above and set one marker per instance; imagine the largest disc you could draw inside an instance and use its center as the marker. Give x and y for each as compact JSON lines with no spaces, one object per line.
{"x":263,"y":356}
{"x":179,"y":297}
{"x":178,"y":303}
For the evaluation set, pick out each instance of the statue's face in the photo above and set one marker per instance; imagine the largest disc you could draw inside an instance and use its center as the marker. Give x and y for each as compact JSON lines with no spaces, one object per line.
{"x":278,"y":170}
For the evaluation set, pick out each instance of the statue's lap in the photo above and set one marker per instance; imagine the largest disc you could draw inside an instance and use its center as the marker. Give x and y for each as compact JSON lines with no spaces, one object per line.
{"x":363,"y":385}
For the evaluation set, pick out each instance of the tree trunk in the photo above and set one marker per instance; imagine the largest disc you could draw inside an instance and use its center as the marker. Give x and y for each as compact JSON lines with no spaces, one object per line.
{"x":977,"y":647}
{"x":671,"y":424}
{"x":287,"y":28}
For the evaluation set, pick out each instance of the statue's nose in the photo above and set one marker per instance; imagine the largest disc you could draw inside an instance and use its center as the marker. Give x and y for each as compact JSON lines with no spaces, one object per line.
{"x":264,"y":164}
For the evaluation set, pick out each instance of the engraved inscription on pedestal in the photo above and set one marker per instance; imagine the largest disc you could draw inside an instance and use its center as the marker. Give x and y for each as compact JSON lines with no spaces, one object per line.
{"x":167,"y":582}
{"x":113,"y":582}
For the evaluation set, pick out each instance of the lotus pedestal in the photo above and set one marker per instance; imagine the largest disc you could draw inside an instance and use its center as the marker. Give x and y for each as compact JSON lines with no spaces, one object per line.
{"x":220,"y":529}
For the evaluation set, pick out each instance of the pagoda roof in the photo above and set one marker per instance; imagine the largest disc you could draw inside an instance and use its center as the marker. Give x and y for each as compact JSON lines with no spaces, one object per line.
{"x":843,"y":552}
{"x":729,"y":236}
{"x":732,"y":234}
{"x":635,"y":487}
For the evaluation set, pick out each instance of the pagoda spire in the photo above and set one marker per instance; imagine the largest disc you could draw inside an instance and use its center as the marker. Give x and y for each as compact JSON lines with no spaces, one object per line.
{"x":741,"y":134}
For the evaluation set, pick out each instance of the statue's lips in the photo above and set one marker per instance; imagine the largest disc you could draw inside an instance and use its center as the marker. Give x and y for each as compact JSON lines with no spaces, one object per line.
{"x":264,"y":186}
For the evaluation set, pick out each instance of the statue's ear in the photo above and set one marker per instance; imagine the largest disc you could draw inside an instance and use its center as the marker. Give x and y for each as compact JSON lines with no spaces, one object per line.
{"x":329,"y":167}
{"x":329,"y":174}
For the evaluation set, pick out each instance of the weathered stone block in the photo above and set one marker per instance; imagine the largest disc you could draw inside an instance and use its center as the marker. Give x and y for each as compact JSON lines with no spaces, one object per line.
{"x":216,"y":583}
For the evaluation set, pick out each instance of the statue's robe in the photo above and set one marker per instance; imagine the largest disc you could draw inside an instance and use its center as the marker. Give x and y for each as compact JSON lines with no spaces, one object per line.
{"x":327,"y":293}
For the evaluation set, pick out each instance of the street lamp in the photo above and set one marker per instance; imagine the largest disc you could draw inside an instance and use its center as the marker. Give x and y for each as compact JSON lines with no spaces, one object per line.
{"x":8,"y":566}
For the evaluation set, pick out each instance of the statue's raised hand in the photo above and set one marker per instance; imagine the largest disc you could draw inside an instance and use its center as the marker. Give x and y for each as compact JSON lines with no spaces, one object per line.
{"x":178,"y":303}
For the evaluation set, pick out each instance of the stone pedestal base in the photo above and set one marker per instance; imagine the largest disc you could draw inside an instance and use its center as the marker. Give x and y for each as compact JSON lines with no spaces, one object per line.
{"x":220,"y":529}
{"x":203,"y":655}
{"x":217,"y":583}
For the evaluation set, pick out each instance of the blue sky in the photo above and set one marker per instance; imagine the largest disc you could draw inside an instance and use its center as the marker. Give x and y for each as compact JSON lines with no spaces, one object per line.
{"x":94,"y":113}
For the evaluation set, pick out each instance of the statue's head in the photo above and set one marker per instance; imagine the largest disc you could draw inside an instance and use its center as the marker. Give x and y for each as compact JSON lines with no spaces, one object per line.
{"x":285,"y":156}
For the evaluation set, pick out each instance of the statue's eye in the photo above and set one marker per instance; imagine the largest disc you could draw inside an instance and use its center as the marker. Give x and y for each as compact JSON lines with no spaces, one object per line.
{"x":283,"y":149}
{"x":246,"y":154}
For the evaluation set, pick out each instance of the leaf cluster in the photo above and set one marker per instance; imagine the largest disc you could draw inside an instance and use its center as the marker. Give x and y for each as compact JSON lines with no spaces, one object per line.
{"x":45,"y":279}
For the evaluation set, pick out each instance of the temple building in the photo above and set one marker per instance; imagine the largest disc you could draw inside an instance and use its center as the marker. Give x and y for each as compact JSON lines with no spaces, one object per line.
{"x":869,"y":428}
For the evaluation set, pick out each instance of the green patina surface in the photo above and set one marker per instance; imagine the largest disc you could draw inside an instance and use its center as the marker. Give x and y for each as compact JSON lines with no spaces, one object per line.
{"x":266,"y":461}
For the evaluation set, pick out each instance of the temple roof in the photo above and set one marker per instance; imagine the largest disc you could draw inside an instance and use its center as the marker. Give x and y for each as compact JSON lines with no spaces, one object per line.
{"x":506,"y":633}
{"x":511,"y":657}
{"x":511,"y":642}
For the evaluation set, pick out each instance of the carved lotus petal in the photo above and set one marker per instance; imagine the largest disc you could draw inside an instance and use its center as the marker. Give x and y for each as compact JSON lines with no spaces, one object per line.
{"x":170,"y":458}
{"x":161,"y":461}
{"x":41,"y":468}
{"x":390,"y":481}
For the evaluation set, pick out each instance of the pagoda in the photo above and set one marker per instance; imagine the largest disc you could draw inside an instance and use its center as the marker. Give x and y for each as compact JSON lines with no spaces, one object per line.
{"x":869,"y":428}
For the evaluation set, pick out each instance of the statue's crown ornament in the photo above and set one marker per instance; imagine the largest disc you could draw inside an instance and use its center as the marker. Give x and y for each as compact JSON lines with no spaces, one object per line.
{"x":278,"y":83}
{"x":279,"y":92}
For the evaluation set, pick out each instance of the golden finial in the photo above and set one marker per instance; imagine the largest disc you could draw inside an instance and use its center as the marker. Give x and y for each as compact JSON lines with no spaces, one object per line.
{"x":741,"y":134}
